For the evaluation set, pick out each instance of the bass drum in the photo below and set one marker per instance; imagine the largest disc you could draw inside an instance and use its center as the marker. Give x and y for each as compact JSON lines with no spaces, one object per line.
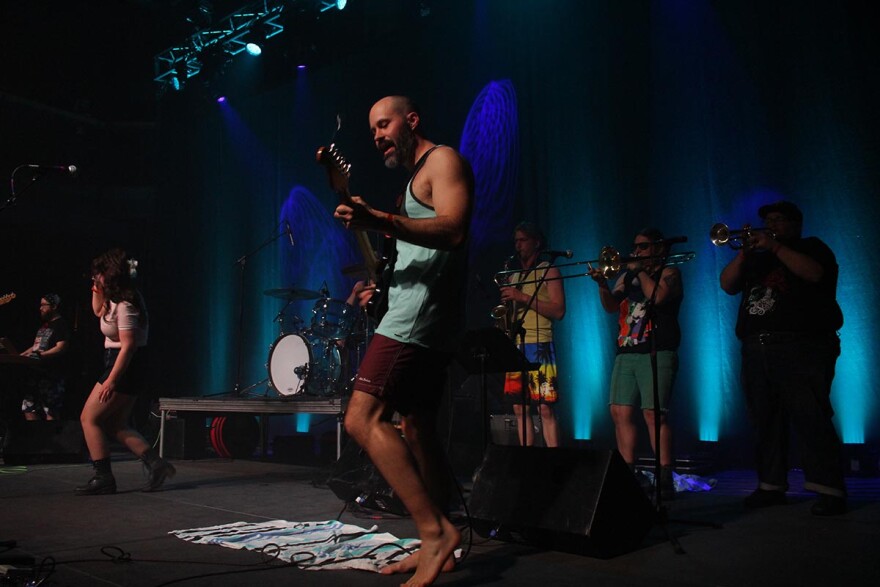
{"x":302,"y":363}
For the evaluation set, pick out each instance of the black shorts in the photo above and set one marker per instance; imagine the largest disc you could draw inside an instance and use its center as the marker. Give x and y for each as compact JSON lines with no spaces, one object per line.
{"x":405,"y":376}
{"x":131,"y":382}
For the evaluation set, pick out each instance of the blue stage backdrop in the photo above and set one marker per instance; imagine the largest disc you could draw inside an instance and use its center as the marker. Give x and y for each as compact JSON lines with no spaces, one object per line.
{"x":593,"y":119}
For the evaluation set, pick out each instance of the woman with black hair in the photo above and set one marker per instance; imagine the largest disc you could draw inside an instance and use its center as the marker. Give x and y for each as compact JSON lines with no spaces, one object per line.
{"x":125,"y":325}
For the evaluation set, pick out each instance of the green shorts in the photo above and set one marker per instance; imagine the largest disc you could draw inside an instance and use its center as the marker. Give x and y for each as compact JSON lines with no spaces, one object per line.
{"x":632,"y":380}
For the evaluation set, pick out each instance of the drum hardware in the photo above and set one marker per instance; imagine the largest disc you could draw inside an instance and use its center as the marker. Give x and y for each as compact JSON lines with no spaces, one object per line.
{"x":609,"y":264}
{"x":721,"y":235}
{"x":333,"y":319}
{"x":242,"y":262}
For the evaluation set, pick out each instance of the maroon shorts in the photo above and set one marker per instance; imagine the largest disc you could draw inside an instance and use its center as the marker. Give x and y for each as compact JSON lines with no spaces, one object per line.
{"x":405,"y":376}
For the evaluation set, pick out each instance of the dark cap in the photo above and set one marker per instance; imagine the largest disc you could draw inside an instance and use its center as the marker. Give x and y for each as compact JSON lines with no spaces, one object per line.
{"x":53,"y":299}
{"x":787,"y":209}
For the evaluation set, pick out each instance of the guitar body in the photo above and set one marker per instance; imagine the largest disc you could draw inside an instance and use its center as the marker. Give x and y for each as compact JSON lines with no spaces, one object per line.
{"x":379,"y":269}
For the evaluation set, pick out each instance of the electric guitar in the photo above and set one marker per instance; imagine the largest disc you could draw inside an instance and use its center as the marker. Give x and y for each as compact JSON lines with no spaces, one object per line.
{"x":378,"y":268}
{"x":5,"y":299}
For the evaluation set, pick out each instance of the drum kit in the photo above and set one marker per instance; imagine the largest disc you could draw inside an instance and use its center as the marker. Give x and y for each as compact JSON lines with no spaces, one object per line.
{"x":316,"y":360}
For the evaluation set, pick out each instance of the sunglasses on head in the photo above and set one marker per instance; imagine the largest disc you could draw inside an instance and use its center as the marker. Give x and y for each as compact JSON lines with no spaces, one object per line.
{"x":642,"y":246}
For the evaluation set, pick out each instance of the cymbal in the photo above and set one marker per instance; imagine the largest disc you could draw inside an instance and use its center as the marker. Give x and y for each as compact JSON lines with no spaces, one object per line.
{"x":292,"y":293}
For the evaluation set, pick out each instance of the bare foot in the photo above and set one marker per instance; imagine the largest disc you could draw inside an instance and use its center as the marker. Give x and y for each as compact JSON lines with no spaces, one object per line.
{"x":410,"y":563}
{"x":435,"y":551}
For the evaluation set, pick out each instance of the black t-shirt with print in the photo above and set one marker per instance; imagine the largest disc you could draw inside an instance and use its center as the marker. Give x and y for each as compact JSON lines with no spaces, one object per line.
{"x":50,"y":334}
{"x":776,"y":300}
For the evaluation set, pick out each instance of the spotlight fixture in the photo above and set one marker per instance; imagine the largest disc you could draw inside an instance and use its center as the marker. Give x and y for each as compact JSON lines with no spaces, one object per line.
{"x":256,"y":37}
{"x":253,"y":48}
{"x":338,"y":4}
{"x":229,"y":35}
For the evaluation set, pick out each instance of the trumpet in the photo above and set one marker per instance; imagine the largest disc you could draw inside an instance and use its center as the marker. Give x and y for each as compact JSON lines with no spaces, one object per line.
{"x":609,"y":264}
{"x":504,"y":314}
{"x":721,"y":235}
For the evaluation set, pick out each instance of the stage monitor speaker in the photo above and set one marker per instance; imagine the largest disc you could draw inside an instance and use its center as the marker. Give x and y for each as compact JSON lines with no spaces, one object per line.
{"x":579,"y":501}
{"x":354,"y":478}
{"x":185,"y":436}
{"x":44,"y":441}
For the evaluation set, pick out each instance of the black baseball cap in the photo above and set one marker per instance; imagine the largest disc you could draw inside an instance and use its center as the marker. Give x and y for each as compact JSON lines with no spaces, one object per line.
{"x":53,"y":299}
{"x":787,"y":209}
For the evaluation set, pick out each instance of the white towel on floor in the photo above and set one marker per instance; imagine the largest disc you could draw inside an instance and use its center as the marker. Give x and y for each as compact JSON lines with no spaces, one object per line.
{"x":309,"y":545}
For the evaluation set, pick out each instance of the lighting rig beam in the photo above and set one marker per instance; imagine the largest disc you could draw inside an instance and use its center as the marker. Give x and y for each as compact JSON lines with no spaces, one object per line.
{"x":228,"y":34}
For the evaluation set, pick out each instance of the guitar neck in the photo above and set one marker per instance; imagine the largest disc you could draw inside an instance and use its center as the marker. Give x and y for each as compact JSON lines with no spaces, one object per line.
{"x":366,"y":247}
{"x":338,"y":171}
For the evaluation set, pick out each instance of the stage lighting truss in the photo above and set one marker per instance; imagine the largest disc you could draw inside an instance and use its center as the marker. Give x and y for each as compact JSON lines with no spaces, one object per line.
{"x":229,"y":35}
{"x":331,"y":4}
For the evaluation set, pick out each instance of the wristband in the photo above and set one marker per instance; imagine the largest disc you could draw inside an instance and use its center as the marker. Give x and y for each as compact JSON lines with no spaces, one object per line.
{"x":390,"y":217}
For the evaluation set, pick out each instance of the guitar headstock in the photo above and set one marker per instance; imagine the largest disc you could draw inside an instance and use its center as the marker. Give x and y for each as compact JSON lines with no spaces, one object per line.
{"x":338,"y":168}
{"x":7,"y":298}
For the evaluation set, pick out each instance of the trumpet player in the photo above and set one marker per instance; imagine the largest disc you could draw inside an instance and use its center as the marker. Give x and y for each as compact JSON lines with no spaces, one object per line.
{"x":532,"y":321}
{"x":787,"y":322}
{"x":632,"y":376}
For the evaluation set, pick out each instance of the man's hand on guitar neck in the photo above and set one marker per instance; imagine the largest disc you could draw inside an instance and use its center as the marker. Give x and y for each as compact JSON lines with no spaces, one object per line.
{"x":359,"y":215}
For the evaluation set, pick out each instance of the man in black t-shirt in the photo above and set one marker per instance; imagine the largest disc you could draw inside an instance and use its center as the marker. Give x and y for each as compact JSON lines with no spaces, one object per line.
{"x":46,"y":391}
{"x":788,"y":322}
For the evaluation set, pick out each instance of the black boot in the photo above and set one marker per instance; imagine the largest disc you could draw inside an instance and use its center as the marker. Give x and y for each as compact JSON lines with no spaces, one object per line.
{"x":102,"y":483}
{"x":158,"y":469}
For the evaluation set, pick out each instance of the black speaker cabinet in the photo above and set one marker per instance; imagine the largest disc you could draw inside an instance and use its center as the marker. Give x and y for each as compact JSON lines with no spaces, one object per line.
{"x":580,"y":501}
{"x":185,"y":436}
{"x":41,"y":441}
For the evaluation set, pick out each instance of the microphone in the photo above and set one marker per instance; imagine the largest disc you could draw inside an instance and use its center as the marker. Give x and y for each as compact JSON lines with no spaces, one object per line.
{"x":568,"y":253}
{"x":289,"y":232}
{"x":301,"y":370}
{"x":671,"y":240}
{"x":70,"y":169}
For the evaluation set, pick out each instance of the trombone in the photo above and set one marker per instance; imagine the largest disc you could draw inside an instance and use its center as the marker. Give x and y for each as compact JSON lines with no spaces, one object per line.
{"x":609,"y":264}
{"x":721,"y":235}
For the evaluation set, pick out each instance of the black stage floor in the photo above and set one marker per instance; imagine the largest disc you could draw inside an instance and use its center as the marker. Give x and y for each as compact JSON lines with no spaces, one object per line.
{"x":783,"y":545}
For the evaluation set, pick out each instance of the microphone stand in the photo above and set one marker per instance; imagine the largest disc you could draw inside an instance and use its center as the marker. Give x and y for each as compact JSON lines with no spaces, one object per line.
{"x":659,"y":509}
{"x":11,"y":201}
{"x":518,"y":330}
{"x":242,"y":262}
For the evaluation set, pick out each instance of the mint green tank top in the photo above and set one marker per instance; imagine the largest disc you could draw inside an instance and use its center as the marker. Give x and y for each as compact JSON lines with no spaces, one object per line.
{"x":425,"y":298}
